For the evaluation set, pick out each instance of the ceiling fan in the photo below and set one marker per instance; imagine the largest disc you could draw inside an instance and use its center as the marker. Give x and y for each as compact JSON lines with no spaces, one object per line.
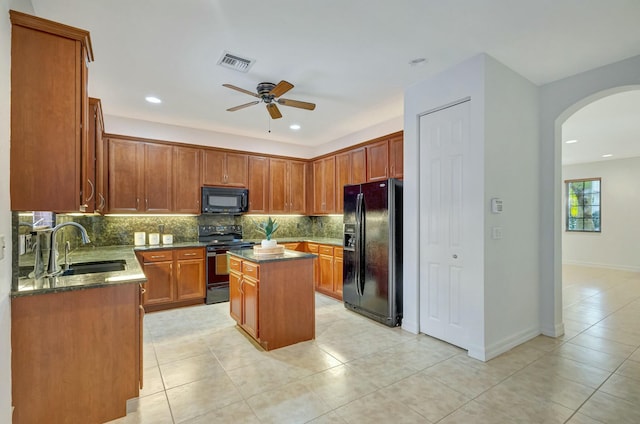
{"x":269,"y":93}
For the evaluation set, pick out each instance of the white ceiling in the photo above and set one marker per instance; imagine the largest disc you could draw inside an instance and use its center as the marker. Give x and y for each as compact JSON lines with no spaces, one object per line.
{"x":349,"y":57}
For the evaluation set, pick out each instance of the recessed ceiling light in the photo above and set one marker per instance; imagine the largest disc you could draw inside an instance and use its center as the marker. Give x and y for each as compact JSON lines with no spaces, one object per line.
{"x":295,"y":127}
{"x":152,"y":99}
{"x":571,"y":141}
{"x":418,"y":61}
{"x":608,"y":155}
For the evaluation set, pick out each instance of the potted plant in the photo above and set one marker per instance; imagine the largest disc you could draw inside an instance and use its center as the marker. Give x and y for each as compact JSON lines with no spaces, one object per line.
{"x":267,"y":228}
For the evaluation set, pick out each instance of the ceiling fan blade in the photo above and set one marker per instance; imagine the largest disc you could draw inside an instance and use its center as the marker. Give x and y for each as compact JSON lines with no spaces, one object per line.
{"x":281,"y":88}
{"x":274,"y":111}
{"x":242,"y":90}
{"x":233,"y":109}
{"x":297,"y":103}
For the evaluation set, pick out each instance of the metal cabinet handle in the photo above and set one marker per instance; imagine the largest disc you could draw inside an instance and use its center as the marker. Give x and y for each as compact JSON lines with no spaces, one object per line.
{"x":190,"y":254}
{"x":240,"y":286}
{"x":157,"y":256}
{"x":92,"y":190}
{"x":103,"y":202}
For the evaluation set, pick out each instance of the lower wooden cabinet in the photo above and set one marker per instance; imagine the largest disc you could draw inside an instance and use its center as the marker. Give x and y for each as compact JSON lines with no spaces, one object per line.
{"x":330,"y":271}
{"x":76,"y":355}
{"x":176,"y":277}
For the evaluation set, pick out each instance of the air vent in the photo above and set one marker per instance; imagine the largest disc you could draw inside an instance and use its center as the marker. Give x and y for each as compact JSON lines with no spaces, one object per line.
{"x":235,"y":62}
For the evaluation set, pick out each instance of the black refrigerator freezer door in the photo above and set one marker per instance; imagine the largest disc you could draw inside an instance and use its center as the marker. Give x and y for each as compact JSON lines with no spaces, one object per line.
{"x":350,"y":268}
{"x":375,"y":287}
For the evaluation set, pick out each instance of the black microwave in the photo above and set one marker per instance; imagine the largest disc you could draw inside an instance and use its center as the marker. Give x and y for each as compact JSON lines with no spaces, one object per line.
{"x":222,"y":200}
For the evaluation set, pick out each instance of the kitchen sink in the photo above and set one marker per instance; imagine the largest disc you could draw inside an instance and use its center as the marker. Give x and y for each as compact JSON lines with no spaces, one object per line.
{"x":94,"y":267}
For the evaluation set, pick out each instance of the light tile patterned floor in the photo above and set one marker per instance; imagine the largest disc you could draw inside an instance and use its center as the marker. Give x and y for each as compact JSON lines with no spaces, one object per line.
{"x":199,"y":368}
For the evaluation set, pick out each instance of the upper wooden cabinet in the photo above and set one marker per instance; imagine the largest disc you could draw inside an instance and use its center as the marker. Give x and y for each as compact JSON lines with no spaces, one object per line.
{"x":224,"y":168}
{"x":396,"y":156}
{"x":186,"y":180}
{"x":140,"y":177}
{"x":378,"y":161}
{"x":324,"y":185}
{"x":286,"y":186}
{"x":351,"y":168}
{"x":96,"y":128}
{"x":258,"y":184}
{"x":49,"y":115}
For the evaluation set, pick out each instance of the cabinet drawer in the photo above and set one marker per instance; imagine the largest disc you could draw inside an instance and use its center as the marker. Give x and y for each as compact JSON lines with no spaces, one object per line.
{"x":190,"y":253}
{"x":235,"y":264}
{"x":312,"y":247}
{"x":249,"y":269}
{"x":157,"y":256}
{"x":337,"y":252}
{"x":326,"y":250}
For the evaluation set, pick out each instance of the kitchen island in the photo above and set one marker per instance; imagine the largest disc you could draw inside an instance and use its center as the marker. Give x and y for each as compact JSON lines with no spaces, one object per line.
{"x":272,"y":297}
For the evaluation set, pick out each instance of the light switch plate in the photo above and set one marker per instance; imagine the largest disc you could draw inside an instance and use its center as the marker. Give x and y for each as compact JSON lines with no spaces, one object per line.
{"x":496,"y":233}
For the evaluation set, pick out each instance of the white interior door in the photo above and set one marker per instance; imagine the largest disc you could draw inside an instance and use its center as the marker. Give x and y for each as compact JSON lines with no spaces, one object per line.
{"x":444,"y":139}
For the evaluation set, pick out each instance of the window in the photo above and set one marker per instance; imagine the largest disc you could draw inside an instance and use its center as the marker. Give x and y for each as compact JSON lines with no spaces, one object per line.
{"x":583,"y":205}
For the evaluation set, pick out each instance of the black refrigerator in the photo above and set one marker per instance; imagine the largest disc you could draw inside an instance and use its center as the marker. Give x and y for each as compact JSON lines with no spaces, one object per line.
{"x":372,"y":273}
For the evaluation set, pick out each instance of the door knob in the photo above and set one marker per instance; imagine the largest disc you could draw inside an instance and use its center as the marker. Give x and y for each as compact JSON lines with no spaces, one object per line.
{"x":455,"y":256}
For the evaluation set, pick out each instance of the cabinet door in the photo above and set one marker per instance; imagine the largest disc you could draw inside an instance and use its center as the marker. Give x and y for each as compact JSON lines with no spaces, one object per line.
{"x":158,"y":182}
{"x":213,"y":167}
{"x":396,"y":157}
{"x":89,"y":182}
{"x":258,"y":184}
{"x":48,"y":113}
{"x":190,"y":279}
{"x":313,"y":248}
{"x":324,"y":185}
{"x":96,"y":132}
{"x":343,"y":177}
{"x":235,"y":296}
{"x":378,"y":161}
{"x":125,"y":169}
{"x":237,"y":170}
{"x":358,"y":166}
{"x":250,"y":306}
{"x":186,"y":180}
{"x":337,"y":271}
{"x":160,"y":286}
{"x":297,"y":183}
{"x":278,"y":186}
{"x":326,"y":272}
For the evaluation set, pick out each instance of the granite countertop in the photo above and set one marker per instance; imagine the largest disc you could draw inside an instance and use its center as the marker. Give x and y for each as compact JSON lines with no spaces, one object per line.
{"x":288,"y":255}
{"x":132,"y":274}
{"x":319,"y":240}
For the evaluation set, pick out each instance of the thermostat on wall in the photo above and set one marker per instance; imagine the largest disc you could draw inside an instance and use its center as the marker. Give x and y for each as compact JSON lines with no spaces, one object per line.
{"x":496,"y":205}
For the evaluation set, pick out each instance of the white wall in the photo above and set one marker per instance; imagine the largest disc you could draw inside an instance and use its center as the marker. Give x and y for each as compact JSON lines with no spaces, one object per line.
{"x":501,"y":301}
{"x":617,"y":245}
{"x":5,"y":216}
{"x":511,"y":173}
{"x":558,"y":101}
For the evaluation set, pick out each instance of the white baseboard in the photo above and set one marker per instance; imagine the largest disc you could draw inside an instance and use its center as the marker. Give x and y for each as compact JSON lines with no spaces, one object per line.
{"x":509,"y":343}
{"x":410,"y":326}
{"x":617,"y":267}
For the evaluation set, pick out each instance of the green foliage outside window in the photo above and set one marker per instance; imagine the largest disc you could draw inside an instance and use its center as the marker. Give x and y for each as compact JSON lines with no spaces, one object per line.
{"x":583,"y":205}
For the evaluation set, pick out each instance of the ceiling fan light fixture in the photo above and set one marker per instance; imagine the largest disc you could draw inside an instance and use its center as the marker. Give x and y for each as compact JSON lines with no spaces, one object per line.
{"x":153,"y":99}
{"x":294,"y":127}
{"x":571,"y":141}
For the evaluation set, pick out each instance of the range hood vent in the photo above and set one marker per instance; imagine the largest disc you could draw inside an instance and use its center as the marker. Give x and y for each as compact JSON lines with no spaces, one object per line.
{"x":235,"y":62}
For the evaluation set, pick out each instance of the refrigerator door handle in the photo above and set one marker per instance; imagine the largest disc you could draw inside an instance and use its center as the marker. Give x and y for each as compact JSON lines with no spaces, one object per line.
{"x":359,"y":243}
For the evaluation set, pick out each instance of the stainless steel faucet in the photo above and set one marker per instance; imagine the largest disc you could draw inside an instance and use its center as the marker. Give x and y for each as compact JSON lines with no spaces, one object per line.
{"x":53,"y":268}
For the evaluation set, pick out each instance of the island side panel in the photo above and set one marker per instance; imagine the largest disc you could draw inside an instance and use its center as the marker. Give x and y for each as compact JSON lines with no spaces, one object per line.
{"x":287,"y":302}
{"x":75,"y":354}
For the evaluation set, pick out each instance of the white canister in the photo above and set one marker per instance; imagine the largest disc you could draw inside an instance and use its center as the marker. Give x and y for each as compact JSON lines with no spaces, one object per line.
{"x":139,"y":238}
{"x":167,"y":239}
{"x":154,"y":238}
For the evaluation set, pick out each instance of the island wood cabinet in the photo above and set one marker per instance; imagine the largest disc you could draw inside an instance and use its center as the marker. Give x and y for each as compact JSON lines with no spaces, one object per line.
{"x":49,"y":115}
{"x":258,"y":184}
{"x":273,"y":301}
{"x":76,"y":355}
{"x":324,"y":182}
{"x":222,"y":168}
{"x":287,"y":180}
{"x":140,"y":176}
{"x":175,"y":277}
{"x":351,"y":168}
